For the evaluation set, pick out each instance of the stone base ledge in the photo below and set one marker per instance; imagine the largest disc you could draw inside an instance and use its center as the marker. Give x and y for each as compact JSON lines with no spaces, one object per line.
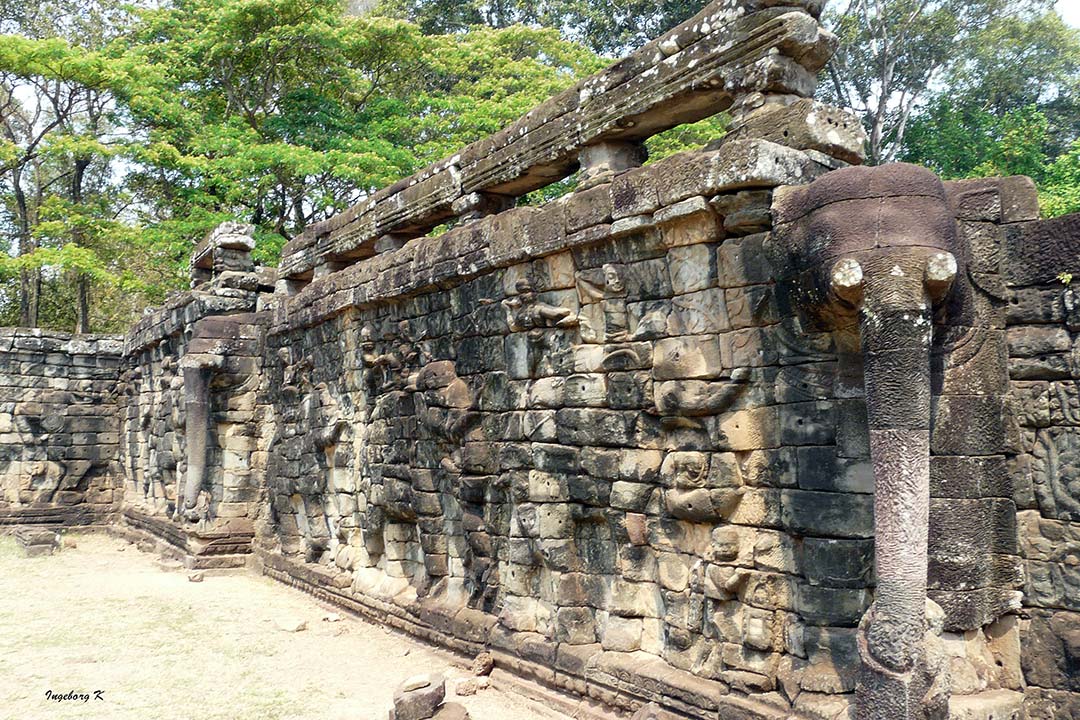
{"x":214,"y":551}
{"x":599,"y":681}
{"x":56,"y":515}
{"x":989,"y":705}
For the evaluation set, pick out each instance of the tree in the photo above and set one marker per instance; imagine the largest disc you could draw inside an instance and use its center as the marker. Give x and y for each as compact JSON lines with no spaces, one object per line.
{"x":283,"y":112}
{"x":959,"y":141}
{"x":1011,"y":106}
{"x":609,"y":27}
{"x":52,"y":104}
{"x":1061,"y":186}
{"x":894,"y":56}
{"x":56,"y":126}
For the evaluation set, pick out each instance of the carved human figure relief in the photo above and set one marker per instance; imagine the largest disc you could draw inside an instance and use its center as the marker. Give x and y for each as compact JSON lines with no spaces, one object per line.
{"x":603,"y":316}
{"x":616,"y":319}
{"x":525,"y":312}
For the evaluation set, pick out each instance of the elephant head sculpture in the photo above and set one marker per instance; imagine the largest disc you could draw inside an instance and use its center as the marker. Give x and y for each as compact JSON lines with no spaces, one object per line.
{"x":868,"y":253}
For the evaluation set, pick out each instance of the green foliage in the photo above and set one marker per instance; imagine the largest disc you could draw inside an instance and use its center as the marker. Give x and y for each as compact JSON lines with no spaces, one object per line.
{"x":128,"y":134}
{"x":687,"y":137}
{"x":609,"y":27}
{"x":282,"y":112}
{"x":1010,"y":105}
{"x":1020,"y":62}
{"x":967,"y":141}
{"x":275,"y":112}
{"x":895,"y":56}
{"x":1061,"y":188}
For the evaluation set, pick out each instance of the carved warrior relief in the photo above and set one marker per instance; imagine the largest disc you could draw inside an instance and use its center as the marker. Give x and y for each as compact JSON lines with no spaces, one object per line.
{"x":372,"y":499}
{"x":604,"y":317}
{"x":700,"y":489}
{"x":155,"y":440}
{"x":38,"y":472}
{"x":309,"y":431}
{"x":526,"y":312}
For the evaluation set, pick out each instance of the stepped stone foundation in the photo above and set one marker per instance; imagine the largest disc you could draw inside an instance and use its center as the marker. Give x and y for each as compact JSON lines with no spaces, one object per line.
{"x":748,"y":432}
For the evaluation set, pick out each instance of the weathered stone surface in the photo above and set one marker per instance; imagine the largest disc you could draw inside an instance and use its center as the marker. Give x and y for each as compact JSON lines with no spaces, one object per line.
{"x":1035,"y":252}
{"x":809,"y":125}
{"x":632,"y":441}
{"x":419,"y":697}
{"x":1051,"y":650}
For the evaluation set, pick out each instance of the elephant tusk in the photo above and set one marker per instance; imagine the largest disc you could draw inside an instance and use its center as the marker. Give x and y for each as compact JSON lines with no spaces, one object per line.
{"x":847,"y":280}
{"x":941,"y":271}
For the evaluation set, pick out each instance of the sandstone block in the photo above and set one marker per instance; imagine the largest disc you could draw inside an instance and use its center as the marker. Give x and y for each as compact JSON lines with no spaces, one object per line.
{"x":419,"y":697}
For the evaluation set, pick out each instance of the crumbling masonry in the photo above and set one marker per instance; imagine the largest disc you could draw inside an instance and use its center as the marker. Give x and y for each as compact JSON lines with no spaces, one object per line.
{"x":749,"y":432}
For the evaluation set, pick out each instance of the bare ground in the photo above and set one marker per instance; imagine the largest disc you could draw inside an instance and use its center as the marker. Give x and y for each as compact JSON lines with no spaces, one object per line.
{"x":104,"y":616}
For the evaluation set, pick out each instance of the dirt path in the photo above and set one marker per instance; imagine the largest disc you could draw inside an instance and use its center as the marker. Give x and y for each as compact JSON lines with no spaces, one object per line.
{"x":104,"y":616}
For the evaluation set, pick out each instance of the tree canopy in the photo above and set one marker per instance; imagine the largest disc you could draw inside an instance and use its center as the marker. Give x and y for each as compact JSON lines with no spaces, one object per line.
{"x":127,"y":133}
{"x":609,"y":27}
{"x":121,"y":152}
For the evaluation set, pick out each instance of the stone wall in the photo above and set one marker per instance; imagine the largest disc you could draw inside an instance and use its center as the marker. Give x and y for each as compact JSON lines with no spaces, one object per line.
{"x":212,"y":330}
{"x":58,"y":439}
{"x":1044,"y":368}
{"x":585,"y":459}
{"x":603,"y":438}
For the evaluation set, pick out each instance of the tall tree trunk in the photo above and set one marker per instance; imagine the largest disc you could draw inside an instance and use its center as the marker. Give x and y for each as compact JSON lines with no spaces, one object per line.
{"x":29,"y":280}
{"x":82,"y":307}
{"x":82,"y":282}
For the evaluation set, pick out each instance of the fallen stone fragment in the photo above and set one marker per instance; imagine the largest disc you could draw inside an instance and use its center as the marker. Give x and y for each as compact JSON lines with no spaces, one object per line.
{"x":36,"y":542}
{"x":333,"y":618}
{"x":292,"y":625}
{"x":452,"y":711}
{"x":419,"y":697}
{"x":195,"y":577}
{"x":483,"y":664}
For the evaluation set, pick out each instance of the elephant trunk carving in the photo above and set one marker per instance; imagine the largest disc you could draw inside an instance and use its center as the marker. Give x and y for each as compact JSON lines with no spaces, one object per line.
{"x":198,"y":371}
{"x":897,"y":292}
{"x":868,"y":253}
{"x":197,"y":410}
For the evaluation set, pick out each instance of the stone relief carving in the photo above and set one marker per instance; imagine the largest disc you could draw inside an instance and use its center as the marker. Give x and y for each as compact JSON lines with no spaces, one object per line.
{"x":1056,"y":472}
{"x":700,"y":489}
{"x":309,"y":431}
{"x":525,"y":312}
{"x":604,"y":317}
{"x":876,"y":293}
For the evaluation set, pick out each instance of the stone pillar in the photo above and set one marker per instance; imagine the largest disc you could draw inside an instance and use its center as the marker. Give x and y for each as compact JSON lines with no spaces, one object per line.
{"x":226,"y":249}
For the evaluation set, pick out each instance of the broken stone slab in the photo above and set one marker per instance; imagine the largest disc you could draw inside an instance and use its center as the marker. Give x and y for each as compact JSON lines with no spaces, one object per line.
{"x":290,"y":624}
{"x":806,"y":125}
{"x":419,"y":697}
{"x":452,"y":711}
{"x":37,"y":542}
